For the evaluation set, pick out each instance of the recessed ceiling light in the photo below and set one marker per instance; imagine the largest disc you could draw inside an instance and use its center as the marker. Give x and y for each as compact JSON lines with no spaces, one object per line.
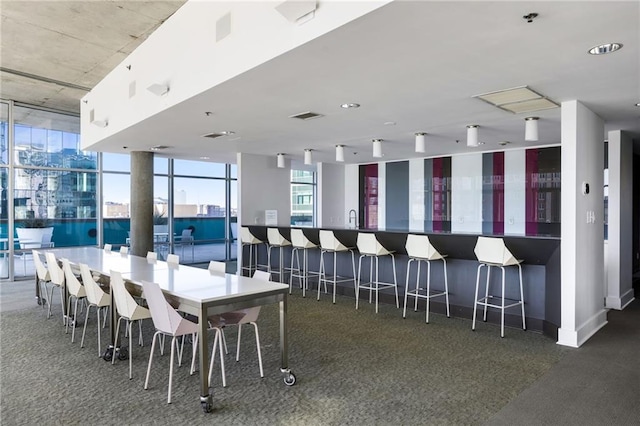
{"x":389,"y":123}
{"x":638,"y":104}
{"x":605,"y":48}
{"x":159,"y":147}
{"x":228,"y":132}
{"x":204,"y":158}
{"x":350,"y":105}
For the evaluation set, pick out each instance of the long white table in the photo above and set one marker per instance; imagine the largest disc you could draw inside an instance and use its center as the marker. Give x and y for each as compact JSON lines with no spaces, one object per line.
{"x":195,"y":291}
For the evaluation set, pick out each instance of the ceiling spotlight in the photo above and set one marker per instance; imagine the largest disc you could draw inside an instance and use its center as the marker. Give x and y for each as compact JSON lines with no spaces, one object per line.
{"x":377,"y":148}
{"x":340,"y":153}
{"x":158,"y":89}
{"x":472,"y":135}
{"x":350,"y":105}
{"x":531,"y":129}
{"x":603,"y":49}
{"x":280,"y":160}
{"x":529,"y":17}
{"x":307,"y":157}
{"x":420,"y":143}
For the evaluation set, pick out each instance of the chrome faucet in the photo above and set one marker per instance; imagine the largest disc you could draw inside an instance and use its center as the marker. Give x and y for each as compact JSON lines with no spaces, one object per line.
{"x":354,"y":218}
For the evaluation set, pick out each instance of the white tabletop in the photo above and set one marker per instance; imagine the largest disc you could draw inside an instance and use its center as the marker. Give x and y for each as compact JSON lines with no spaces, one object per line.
{"x":104,"y":261}
{"x":202,"y":286}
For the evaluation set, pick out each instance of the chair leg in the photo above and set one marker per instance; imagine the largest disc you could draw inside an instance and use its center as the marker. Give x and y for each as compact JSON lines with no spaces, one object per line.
{"x":428,"y":288}
{"x":130,"y":327}
{"x":217,"y":343}
{"x":415,"y":299}
{"x":524,"y":325}
{"x":75,"y":320}
{"x":475,"y":302}
{"x":174,"y":345}
{"x":238,"y":344}
{"x":153,"y":346}
{"x":406,"y":289}
{"x":64,"y":319}
{"x":255,"y":326}
{"x":335,"y":278}
{"x":84,"y":328}
{"x":395,"y":280}
{"x":115,"y":342}
{"x":502,"y":305}
{"x":486,"y":294}
{"x":194,"y":350}
{"x":98,"y":327}
{"x":446,"y":285}
{"x":358,"y":280}
{"x":66,"y":323}
{"x":371,"y":279}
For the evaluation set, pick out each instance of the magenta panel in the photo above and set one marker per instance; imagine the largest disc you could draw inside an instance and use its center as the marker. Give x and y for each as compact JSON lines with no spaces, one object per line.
{"x":498,"y":193}
{"x":531,"y":192}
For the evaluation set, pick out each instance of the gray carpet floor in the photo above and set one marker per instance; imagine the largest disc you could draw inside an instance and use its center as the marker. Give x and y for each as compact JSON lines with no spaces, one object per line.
{"x":353,"y":367}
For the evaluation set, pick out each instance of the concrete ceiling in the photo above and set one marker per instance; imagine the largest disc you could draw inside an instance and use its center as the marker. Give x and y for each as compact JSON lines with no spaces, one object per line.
{"x":410,"y":63}
{"x":54,"y":52}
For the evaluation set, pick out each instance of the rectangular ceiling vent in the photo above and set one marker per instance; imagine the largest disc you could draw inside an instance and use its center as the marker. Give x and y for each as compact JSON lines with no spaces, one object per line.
{"x":518,"y":100}
{"x":306,"y":115}
{"x":213,"y":135}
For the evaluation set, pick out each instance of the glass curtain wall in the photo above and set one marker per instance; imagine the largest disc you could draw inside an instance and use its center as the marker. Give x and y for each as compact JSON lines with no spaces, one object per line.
{"x":49,"y":186}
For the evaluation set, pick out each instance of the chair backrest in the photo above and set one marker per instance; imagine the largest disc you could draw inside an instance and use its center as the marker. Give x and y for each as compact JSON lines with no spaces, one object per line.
{"x":125,"y":303}
{"x":55,"y":271}
{"x":251,"y":314}
{"x":328,"y":241}
{"x":165,"y":317}
{"x":124,"y":250}
{"x":152,"y":255}
{"x":41,"y":270}
{"x":262,"y":275}
{"x":247,"y":237}
{"x":217,"y":267}
{"x":46,"y":240}
{"x":107,"y":247}
{"x":493,"y":250}
{"x":74,"y":286}
{"x":368,"y":244}
{"x":420,"y":247}
{"x":275,"y":238}
{"x":186,"y":236}
{"x":95,"y":294}
{"x":173,"y":259}
{"x":299,"y":240}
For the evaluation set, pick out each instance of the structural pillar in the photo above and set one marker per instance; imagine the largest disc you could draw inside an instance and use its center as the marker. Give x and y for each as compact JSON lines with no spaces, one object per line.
{"x":619,"y":289}
{"x":582,"y":244}
{"x":141,"y":235}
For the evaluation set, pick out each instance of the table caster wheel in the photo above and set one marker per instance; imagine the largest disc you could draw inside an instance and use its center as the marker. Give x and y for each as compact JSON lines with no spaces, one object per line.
{"x":290,"y":379}
{"x":206,"y":406}
{"x":123,"y":354}
{"x":108,"y":354}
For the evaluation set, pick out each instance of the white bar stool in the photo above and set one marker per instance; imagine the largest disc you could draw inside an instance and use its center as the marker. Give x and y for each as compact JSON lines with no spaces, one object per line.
{"x":248,"y":239}
{"x":330,"y":244}
{"x":419,"y":249}
{"x":276,"y":240}
{"x":492,"y":252}
{"x":369,"y":246}
{"x":300,"y":242}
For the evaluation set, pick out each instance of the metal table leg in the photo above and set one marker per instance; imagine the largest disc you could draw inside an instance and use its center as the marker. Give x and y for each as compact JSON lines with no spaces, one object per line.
{"x":289,"y":377}
{"x":206,"y":393}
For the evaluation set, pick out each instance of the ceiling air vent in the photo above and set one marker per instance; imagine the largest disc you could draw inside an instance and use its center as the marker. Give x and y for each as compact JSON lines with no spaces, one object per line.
{"x":518,"y":100}
{"x":306,"y":115}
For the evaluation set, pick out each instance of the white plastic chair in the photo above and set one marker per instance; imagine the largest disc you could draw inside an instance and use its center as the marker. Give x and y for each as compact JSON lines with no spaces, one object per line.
{"x":419,"y":249}
{"x":97,"y":298}
{"x":300,"y":242}
{"x":243,"y":316}
{"x":492,"y":252}
{"x":42,"y":275}
{"x":278,"y":241}
{"x":369,"y":246}
{"x":168,"y":322}
{"x":248,"y":239}
{"x":76,"y":291}
{"x":129,"y":310}
{"x":152,"y":256}
{"x":186,"y":239}
{"x":107,"y":248}
{"x":217,"y":267}
{"x":57,"y":280}
{"x":331,"y":245}
{"x":124,"y":250}
{"x":173,"y":259}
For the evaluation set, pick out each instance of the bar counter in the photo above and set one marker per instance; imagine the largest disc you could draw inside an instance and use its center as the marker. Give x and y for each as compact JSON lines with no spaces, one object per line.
{"x":541,"y":272}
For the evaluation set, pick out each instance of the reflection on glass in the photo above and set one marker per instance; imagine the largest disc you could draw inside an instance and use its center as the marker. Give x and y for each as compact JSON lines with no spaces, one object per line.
{"x":199,"y":197}
{"x":4,"y":133}
{"x":116,"y":162}
{"x":116,"y":190}
{"x":302,"y":196}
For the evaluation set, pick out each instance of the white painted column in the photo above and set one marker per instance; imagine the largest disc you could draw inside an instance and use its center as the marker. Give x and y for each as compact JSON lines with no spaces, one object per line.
{"x":620,"y":246}
{"x":351,"y":192}
{"x":416,"y":194}
{"x":382,"y":195}
{"x":515,"y":192}
{"x":331,"y":195}
{"x":582,"y":245}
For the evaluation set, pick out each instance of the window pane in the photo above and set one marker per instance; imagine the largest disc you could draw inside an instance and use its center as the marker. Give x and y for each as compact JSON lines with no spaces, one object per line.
{"x":160,"y":165}
{"x":302,"y":176}
{"x":4,"y":133}
{"x":302,"y":196}
{"x":4,"y":213}
{"x":234,"y":198}
{"x":198,"y":168}
{"x":234,"y":171}
{"x":115,"y":209}
{"x":46,"y":139}
{"x":116,"y":162}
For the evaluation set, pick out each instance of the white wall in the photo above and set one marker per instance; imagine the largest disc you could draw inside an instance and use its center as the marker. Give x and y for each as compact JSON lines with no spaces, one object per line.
{"x":515,"y":192}
{"x":173,"y":55}
{"x":351,"y":190}
{"x":582,"y":244}
{"x":466,"y":193}
{"x":619,"y":290}
{"x":262,"y":186}
{"x":416,"y":194}
{"x":331,"y":195}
